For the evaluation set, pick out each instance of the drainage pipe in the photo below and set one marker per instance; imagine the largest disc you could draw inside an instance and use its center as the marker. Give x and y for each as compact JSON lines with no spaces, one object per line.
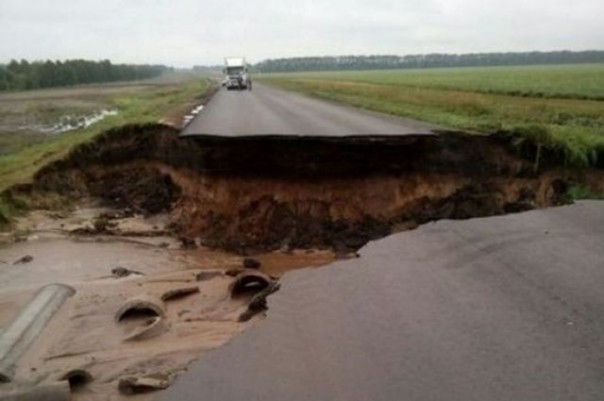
{"x":58,"y":391}
{"x":28,"y":325}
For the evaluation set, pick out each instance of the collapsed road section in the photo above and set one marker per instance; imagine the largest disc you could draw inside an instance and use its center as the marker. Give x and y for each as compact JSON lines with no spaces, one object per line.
{"x":147,"y":305}
{"x":262,"y":193}
{"x":504,"y":308}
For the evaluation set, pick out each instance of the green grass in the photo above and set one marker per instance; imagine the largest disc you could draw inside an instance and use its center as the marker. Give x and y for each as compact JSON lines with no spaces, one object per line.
{"x":582,"y":81}
{"x":149,"y":105}
{"x":6,"y":211}
{"x":561,"y":100}
{"x":582,"y":192}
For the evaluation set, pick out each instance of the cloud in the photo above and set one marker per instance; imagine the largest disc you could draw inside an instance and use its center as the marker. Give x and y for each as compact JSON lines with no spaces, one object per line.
{"x":188,"y":32}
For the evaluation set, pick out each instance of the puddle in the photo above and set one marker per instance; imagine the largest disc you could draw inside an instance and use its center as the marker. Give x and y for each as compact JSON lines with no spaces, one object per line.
{"x":69,"y":123}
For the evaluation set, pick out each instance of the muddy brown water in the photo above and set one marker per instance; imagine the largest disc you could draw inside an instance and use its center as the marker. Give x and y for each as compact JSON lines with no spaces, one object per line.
{"x":273,"y":263}
{"x":86,"y":260}
{"x":84,"y":335}
{"x":74,"y":260}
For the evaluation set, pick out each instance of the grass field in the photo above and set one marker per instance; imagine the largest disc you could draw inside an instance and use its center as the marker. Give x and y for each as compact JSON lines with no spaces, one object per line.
{"x":561,"y":107}
{"x":23,"y":151}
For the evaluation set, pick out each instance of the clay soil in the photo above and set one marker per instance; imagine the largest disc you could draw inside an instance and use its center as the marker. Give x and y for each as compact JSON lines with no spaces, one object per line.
{"x":71,"y":248}
{"x":255,"y":194}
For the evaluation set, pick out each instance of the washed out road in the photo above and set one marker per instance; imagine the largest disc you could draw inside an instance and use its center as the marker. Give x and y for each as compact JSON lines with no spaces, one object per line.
{"x":503,"y":308}
{"x":495,"y":309}
{"x":271,"y":111}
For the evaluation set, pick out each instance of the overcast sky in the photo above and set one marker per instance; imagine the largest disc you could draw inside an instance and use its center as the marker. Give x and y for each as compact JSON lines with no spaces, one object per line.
{"x":189,"y":32}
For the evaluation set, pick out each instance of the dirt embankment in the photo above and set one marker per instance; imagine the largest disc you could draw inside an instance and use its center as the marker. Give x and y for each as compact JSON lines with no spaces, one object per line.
{"x":266,"y":193}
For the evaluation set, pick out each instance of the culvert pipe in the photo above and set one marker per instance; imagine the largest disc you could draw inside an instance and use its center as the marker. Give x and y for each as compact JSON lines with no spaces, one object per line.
{"x":58,"y":391}
{"x":28,"y":325}
{"x":244,"y":280}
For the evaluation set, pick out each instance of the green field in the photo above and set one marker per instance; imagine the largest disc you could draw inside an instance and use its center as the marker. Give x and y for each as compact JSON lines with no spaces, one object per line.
{"x":583,"y":81}
{"x":558,"y":106}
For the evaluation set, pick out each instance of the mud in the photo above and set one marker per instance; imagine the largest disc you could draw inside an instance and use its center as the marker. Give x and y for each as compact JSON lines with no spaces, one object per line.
{"x":173,"y":309}
{"x":255,"y":194}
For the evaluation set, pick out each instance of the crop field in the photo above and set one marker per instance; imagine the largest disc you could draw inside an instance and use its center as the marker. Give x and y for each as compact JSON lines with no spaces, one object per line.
{"x":559,"y":106}
{"x":582,"y":81}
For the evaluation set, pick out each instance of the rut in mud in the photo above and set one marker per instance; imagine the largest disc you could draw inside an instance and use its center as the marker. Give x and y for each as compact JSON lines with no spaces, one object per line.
{"x":264,"y":193}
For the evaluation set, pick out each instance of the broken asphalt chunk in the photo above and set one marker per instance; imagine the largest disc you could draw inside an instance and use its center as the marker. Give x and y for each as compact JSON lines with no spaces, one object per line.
{"x":258,"y":302}
{"x":251,"y":263}
{"x":139,"y":385}
{"x":234,"y":271}
{"x":120,"y":272}
{"x":207,"y":275}
{"x":177,"y":293}
{"x":25,"y":259}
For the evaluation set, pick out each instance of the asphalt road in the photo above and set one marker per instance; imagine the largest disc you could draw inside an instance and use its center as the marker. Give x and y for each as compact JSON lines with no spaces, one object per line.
{"x":272,"y":111}
{"x":503,"y":308}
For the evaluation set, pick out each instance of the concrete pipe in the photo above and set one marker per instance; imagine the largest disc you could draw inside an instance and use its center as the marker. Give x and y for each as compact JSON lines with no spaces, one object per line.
{"x":59,"y":391}
{"x":28,"y":324}
{"x":249,"y":282}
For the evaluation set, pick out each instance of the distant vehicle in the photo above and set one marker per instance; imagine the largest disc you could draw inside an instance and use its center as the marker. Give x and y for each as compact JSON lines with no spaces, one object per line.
{"x":236,"y":73}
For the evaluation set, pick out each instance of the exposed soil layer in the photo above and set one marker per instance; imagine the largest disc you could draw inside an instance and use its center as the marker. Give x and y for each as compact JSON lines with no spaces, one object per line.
{"x":271,"y":192}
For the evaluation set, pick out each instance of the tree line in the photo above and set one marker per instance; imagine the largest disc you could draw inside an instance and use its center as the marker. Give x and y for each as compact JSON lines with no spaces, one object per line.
{"x":329,"y":63}
{"x":22,"y":75}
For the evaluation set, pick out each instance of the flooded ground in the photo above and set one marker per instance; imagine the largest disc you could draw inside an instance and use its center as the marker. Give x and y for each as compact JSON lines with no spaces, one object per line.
{"x":84,"y":334}
{"x":70,"y":122}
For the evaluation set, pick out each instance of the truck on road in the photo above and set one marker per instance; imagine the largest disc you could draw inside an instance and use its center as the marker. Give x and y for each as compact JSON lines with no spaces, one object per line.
{"x":237,"y":75}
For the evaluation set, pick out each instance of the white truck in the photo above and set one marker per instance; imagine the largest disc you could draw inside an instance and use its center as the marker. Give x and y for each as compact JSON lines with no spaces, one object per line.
{"x":237,"y":75}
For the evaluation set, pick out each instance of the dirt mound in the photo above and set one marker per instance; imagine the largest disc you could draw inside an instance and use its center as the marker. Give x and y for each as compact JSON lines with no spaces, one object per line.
{"x":270,"y":192}
{"x":120,"y":167}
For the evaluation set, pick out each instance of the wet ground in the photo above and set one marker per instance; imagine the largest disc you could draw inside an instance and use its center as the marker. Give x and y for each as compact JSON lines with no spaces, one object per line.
{"x":84,"y":335}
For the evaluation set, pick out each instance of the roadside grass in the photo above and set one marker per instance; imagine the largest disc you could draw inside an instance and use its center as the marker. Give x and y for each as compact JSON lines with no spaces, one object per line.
{"x":12,"y":142}
{"x":582,"y":192}
{"x":6,"y":211}
{"x":571,"y":129}
{"x":139,"y":106}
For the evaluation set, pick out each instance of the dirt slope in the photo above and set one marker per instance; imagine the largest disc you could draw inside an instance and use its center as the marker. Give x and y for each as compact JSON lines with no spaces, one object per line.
{"x":265,"y":193}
